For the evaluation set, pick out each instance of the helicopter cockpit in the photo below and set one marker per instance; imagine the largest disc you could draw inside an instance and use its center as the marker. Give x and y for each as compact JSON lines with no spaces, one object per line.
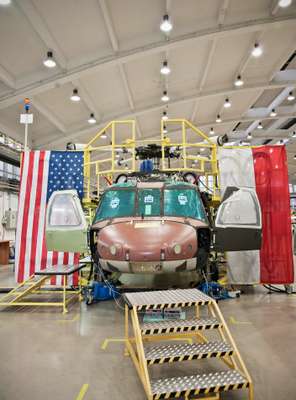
{"x":172,"y":200}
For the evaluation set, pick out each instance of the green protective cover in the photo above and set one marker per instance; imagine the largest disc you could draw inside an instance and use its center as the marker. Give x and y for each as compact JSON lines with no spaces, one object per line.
{"x":66,"y":226}
{"x":65,"y":239}
{"x":183,"y":203}
{"x":149,"y":202}
{"x":115,"y":204}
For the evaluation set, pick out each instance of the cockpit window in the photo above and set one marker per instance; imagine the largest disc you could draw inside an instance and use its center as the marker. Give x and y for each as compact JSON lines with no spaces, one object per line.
{"x":149,"y":202}
{"x":183,"y":203}
{"x":116,"y":204}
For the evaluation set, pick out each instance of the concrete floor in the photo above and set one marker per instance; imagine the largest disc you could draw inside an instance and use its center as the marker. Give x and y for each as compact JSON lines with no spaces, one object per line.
{"x":47,"y":355}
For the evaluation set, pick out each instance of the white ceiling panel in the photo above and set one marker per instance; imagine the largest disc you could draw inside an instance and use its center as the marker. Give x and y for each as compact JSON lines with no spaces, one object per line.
{"x":77,"y":26}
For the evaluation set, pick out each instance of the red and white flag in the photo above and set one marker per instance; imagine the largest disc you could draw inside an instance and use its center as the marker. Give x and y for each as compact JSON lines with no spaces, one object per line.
{"x":265,"y":169}
{"x":43,"y":172}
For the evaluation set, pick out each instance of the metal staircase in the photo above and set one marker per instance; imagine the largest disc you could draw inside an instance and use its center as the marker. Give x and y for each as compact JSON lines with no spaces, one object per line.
{"x":206,"y":316}
{"x":22,"y":294}
{"x":25,"y":288}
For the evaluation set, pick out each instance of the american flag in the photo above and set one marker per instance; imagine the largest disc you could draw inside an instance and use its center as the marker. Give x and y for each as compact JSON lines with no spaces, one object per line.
{"x":43,"y":172}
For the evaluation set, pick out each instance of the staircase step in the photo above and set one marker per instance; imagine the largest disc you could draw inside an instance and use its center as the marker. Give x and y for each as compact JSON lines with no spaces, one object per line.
{"x":215,"y":382}
{"x":186,"y":352}
{"x":167,"y":298}
{"x":176,"y":326}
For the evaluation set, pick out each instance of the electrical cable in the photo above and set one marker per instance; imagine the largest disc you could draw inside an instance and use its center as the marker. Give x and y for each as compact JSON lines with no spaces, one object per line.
{"x":277,"y":290}
{"x":210,"y":190}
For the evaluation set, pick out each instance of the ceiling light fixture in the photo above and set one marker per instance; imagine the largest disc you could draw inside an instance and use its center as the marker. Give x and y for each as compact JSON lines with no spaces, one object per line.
{"x":49,"y":62}
{"x":165,"y":96}
{"x":284,"y":3}
{"x":164,"y":116}
{"x":92,"y":119}
{"x":257,"y":50}
{"x":165,"y":129}
{"x":103,"y":135}
{"x":250,"y":135}
{"x":273,"y":113}
{"x":227,"y":103}
{"x":212,"y":131}
{"x":166,"y":24}
{"x":260,"y":126}
{"x":294,"y":134}
{"x":239,"y":82}
{"x":291,"y":96}
{"x":5,"y":2}
{"x":75,"y":96}
{"x":218,"y":119}
{"x":165,"y":69}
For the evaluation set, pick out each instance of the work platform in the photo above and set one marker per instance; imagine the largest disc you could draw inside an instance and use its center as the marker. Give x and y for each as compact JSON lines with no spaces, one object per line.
{"x":205,"y":316}
{"x":20,"y":295}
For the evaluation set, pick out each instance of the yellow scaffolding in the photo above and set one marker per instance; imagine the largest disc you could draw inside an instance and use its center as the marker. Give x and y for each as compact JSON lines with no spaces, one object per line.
{"x":106,"y":165}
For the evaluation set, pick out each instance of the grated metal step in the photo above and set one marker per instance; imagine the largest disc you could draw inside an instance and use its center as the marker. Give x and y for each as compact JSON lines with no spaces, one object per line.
{"x":22,"y":290}
{"x":215,"y":382}
{"x":186,"y":352}
{"x":176,"y":326}
{"x":167,"y":298}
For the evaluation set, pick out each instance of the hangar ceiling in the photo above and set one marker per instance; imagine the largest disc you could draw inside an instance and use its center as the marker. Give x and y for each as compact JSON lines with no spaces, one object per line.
{"x":111,"y":51}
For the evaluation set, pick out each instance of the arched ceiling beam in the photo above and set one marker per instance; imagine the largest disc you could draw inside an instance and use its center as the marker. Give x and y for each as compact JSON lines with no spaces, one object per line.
{"x":129,"y":55}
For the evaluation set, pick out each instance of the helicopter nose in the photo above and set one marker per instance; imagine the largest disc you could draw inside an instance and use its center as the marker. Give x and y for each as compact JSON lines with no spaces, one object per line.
{"x":147,"y":241}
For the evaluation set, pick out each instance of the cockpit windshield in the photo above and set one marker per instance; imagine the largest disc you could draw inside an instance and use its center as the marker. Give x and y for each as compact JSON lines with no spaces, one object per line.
{"x":116,"y":204}
{"x":183,"y":203}
{"x":147,"y":202}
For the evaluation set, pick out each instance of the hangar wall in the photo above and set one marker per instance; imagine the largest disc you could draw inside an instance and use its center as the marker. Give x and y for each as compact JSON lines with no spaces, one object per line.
{"x":7,"y":201}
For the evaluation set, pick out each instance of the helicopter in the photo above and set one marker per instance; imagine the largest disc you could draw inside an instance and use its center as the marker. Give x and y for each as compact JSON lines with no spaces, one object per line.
{"x":154,"y":223}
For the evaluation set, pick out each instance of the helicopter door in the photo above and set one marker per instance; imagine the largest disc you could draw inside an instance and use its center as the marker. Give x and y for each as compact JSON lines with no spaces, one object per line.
{"x":238,"y":223}
{"x":66,"y":226}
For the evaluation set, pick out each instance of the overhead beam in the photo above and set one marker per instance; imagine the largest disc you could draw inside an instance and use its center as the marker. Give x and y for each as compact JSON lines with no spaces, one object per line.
{"x":109,"y":25}
{"x":14,"y":134}
{"x":29,"y":11}
{"x":276,"y":76}
{"x":274,"y":7}
{"x":7,"y":78}
{"x":129,"y":55}
{"x":177,"y":101}
{"x":263,"y":134}
{"x":48,"y":115}
{"x":86,"y":98}
{"x":204,"y":75}
{"x":223,"y":11}
{"x":115,"y":47}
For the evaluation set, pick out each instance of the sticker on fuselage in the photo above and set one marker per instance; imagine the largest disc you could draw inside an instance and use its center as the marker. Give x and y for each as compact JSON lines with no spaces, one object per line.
{"x":182,"y":199}
{"x":148,"y":199}
{"x":114,"y":202}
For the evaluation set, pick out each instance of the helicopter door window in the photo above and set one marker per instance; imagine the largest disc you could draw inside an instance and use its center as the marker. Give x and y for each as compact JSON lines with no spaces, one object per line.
{"x":238,"y":222}
{"x":63,"y":211}
{"x":149,"y":202}
{"x":66,"y":226}
{"x":241,"y":209}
